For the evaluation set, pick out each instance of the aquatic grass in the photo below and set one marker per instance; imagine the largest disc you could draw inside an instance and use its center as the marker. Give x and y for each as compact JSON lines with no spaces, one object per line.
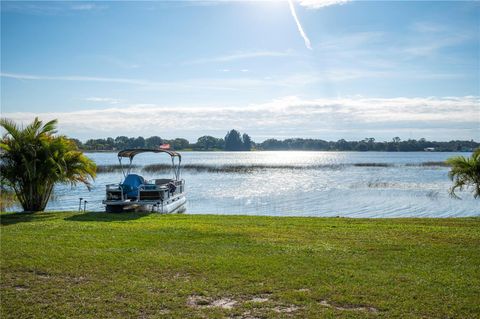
{"x":137,"y":265}
{"x":373,"y":164}
{"x":430,"y":163}
{"x":242,"y":168}
{"x":112,"y":168}
{"x":153,"y":168}
{"x":223,"y":168}
{"x":379,"y":184}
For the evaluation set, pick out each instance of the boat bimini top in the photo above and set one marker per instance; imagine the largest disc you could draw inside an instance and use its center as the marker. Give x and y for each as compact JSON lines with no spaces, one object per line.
{"x":131,"y":153}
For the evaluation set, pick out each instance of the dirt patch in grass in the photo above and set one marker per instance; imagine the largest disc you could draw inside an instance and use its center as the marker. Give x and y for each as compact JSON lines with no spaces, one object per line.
{"x":286,"y":309}
{"x":196,"y":301}
{"x":225,"y":303}
{"x":327,"y":304}
{"x":259,"y":299}
{"x":203,"y":302}
{"x":246,"y":315}
{"x":66,"y":278}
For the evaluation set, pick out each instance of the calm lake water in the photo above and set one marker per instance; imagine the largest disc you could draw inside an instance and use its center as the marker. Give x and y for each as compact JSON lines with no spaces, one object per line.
{"x":327,"y":184}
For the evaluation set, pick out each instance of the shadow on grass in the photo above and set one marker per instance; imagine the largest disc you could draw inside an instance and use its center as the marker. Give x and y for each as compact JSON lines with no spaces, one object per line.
{"x":106,"y":217}
{"x":15,"y":218}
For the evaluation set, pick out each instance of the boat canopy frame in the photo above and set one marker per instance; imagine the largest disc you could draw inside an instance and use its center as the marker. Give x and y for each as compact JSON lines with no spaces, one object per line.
{"x":131,"y":153}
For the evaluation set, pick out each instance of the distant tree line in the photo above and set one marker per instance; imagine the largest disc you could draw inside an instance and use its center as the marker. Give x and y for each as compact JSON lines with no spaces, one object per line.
{"x":235,"y":141}
{"x":368,"y":144}
{"x":124,"y":142}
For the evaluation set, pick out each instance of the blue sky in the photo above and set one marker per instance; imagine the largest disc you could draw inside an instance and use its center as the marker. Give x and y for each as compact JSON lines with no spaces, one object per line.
{"x":184,"y":69}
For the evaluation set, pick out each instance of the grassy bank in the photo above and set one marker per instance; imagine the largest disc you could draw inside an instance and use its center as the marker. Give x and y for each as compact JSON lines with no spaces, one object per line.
{"x":94,"y":265}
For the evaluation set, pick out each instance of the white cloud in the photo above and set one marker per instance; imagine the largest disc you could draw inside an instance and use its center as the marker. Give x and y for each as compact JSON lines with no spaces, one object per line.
{"x":241,"y":56}
{"x":289,"y":115}
{"x":316,"y":4}
{"x":19,"y":76}
{"x":353,"y":40}
{"x":50,"y":8}
{"x":83,"y":6}
{"x":108,"y":100}
{"x":428,"y":47}
{"x":293,"y":80}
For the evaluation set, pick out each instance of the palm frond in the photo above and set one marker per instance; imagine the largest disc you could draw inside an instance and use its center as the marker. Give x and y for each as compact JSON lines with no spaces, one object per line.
{"x":11,"y":127}
{"x":465,"y":173}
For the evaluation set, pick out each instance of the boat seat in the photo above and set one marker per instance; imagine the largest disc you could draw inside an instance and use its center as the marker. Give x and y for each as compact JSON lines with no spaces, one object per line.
{"x":163,"y":181}
{"x":130,"y":185}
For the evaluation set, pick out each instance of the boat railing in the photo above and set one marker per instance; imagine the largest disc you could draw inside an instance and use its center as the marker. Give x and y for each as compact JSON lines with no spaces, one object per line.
{"x":148,"y":191}
{"x":163,"y":191}
{"x":110,"y":188}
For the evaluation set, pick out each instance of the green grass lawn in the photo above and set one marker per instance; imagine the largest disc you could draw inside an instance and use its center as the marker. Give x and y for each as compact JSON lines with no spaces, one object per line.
{"x":97,"y":265}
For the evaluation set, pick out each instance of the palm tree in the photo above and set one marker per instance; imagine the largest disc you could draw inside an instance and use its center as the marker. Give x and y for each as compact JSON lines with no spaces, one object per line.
{"x":33,"y":160}
{"x":465,"y":173}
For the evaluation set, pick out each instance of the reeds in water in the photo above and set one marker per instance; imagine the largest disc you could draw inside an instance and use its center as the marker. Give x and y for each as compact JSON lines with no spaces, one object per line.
{"x":112,"y":168}
{"x":443,"y":164}
{"x":241,"y":168}
{"x":373,"y":164}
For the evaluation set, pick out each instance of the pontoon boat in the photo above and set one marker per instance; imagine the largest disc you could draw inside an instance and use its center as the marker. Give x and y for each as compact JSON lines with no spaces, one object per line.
{"x":163,"y":195}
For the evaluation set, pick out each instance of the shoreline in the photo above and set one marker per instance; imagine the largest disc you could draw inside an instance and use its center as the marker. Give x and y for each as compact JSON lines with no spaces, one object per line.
{"x":252,"y":151}
{"x":146,"y":213}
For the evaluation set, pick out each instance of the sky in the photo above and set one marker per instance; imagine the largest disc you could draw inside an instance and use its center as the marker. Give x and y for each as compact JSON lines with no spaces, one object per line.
{"x":327,"y":69}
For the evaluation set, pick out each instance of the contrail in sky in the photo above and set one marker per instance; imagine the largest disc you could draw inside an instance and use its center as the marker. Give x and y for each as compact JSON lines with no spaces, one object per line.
{"x":299,"y":26}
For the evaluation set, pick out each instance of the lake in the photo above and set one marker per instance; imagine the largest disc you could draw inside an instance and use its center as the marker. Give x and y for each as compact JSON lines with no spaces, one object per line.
{"x":347,"y":184}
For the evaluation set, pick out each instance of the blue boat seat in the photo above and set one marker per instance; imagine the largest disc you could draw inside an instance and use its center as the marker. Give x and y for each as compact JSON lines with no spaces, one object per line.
{"x":130,"y":185}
